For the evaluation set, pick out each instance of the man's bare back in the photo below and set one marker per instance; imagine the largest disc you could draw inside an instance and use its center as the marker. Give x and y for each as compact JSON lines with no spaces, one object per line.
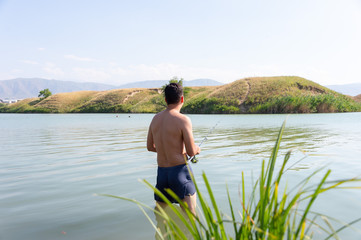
{"x":170,"y":135}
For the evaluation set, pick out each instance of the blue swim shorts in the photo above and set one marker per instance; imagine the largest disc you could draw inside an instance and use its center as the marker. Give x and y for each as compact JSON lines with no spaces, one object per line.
{"x":176,"y":178}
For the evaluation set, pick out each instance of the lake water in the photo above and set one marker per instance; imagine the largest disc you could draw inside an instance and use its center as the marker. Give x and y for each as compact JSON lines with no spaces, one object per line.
{"x":53,"y":164}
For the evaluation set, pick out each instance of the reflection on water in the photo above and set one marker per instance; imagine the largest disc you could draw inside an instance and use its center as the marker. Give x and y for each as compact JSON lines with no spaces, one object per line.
{"x":241,"y":144}
{"x":51,"y":165}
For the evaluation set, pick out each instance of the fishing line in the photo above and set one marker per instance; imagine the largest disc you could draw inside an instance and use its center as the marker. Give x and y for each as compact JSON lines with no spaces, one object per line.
{"x":194,"y":159}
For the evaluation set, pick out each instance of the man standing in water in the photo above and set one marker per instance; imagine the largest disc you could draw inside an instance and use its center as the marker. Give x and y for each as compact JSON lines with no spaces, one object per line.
{"x":170,"y":136}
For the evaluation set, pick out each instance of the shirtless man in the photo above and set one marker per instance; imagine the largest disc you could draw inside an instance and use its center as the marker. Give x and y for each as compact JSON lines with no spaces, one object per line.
{"x":170,"y":136}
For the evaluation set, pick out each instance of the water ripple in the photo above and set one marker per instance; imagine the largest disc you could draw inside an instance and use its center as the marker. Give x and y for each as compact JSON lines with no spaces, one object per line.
{"x":51,"y":165}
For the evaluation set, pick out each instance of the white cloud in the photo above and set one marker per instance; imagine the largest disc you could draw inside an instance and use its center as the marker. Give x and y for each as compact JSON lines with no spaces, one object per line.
{"x":77,"y":58}
{"x":17,"y":71}
{"x":30,"y":62}
{"x":41,"y":49}
{"x":90,"y":75}
{"x":53,"y":70}
{"x":113,"y":64}
{"x":119,"y":71}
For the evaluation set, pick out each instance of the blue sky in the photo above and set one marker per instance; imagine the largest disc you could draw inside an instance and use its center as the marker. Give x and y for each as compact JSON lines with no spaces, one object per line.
{"x":117,"y":42}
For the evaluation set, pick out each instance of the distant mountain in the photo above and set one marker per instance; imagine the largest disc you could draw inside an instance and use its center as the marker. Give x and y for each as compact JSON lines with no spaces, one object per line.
{"x":160,"y":83}
{"x":144,"y":84}
{"x":351,"y":89}
{"x":202,"y":82}
{"x":20,"y":88}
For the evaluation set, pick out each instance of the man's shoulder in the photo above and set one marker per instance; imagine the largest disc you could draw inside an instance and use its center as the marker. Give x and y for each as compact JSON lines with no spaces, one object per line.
{"x":183,"y":120}
{"x":158,"y":115}
{"x":184,"y":117}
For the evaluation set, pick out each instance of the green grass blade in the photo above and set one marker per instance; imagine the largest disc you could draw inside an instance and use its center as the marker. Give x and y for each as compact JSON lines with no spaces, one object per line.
{"x":152,"y":223}
{"x":215,"y":207}
{"x":334,"y":234}
{"x":264,"y":201}
{"x":140,"y":205}
{"x":280,"y":173}
{"x":314,"y":196}
{"x":343,"y":227}
{"x":207,"y":213}
{"x":232,"y":214}
{"x":127,"y":199}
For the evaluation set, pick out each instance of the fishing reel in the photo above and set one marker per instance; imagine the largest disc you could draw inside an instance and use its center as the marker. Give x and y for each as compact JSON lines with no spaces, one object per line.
{"x":193,"y":159}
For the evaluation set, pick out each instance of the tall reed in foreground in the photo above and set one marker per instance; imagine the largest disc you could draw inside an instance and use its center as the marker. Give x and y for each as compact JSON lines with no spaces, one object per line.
{"x":268,"y":212}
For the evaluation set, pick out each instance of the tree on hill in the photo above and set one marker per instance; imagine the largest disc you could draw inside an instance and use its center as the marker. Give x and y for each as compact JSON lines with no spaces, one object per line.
{"x":173,"y":80}
{"x":180,"y":82}
{"x":44,"y":93}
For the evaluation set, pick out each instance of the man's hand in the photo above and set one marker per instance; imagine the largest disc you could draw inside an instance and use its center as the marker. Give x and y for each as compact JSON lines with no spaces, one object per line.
{"x":198,"y":150}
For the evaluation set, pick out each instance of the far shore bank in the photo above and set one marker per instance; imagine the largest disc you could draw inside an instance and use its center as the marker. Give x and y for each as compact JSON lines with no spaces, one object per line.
{"x":261,"y":95}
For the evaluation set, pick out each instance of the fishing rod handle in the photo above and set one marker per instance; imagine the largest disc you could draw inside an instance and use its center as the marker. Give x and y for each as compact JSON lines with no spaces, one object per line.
{"x":193,"y":159}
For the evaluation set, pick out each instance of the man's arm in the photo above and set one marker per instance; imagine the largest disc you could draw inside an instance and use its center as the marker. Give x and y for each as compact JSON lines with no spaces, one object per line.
{"x":150,"y":141}
{"x":191,"y":148}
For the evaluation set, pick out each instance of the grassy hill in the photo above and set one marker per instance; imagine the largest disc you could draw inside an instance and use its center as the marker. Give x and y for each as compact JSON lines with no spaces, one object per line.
{"x":357,"y":98}
{"x":249,"y":95}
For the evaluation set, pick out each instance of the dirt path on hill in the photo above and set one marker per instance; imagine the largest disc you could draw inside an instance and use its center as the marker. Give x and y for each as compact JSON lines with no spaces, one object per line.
{"x":130,"y":95}
{"x":247,"y":93}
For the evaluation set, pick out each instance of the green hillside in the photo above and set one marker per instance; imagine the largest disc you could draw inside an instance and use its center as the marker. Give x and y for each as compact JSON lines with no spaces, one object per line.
{"x":249,"y":95}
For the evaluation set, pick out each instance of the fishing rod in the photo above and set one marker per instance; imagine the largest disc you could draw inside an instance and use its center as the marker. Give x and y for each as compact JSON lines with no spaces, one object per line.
{"x":194,"y":159}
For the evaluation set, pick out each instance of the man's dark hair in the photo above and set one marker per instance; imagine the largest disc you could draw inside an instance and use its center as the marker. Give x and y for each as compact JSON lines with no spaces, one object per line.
{"x":173,"y":93}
